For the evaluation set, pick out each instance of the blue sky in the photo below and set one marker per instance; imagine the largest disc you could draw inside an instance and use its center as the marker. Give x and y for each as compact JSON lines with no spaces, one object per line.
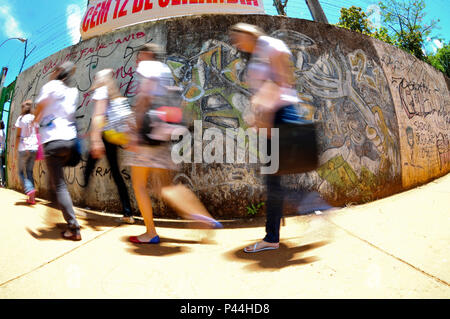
{"x":51,"y":25}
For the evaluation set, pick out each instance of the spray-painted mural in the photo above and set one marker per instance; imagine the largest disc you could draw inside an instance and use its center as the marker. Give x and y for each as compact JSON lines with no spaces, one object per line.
{"x":348,"y":94}
{"x":364,"y":144}
{"x":423,"y":104}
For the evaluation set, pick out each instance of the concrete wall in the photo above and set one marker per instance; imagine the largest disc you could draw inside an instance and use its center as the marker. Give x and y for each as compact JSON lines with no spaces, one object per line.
{"x":384,"y":113}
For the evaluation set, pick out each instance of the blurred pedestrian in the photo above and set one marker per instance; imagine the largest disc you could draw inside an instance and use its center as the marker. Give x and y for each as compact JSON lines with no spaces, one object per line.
{"x":155,"y":160}
{"x":55,"y":113}
{"x":111,"y":110}
{"x":270,"y":75}
{"x":27,"y":147}
{"x":2,"y":153}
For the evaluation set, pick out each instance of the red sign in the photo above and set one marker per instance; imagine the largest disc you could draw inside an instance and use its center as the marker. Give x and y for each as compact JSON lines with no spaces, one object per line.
{"x":103,"y":16}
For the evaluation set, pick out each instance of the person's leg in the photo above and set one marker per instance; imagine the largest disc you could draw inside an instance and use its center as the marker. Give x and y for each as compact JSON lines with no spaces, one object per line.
{"x":274,"y":208}
{"x":21,"y":167}
{"x":111,"y":155}
{"x":274,"y":213}
{"x":29,"y":180}
{"x":29,"y":165}
{"x":2,"y":173}
{"x":89,"y":168}
{"x":139,"y":178}
{"x":187,"y":204}
{"x":57,"y":154}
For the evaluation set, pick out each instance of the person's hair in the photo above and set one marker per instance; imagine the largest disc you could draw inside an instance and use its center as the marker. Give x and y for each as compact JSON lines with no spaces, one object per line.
{"x":65,"y":71}
{"x":26,"y":107}
{"x":156,"y":49}
{"x":106,"y":78}
{"x":2,"y":125}
{"x":251,"y":29}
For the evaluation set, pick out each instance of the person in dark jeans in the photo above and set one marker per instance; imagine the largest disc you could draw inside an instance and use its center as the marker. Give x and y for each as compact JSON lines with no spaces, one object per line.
{"x":271,"y":80}
{"x":58,"y":153}
{"x":111,"y":151}
{"x":104,"y":142}
{"x":55,"y":114}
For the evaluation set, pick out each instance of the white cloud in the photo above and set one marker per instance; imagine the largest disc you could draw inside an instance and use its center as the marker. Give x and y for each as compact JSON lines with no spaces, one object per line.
{"x":438,"y":44}
{"x":434,"y":44}
{"x":74,"y":14}
{"x":11,"y":26}
{"x":374,"y":13}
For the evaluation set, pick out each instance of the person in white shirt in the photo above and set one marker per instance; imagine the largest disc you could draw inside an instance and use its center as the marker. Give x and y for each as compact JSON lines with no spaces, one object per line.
{"x":26,"y":146}
{"x":2,"y":153}
{"x":156,"y":161}
{"x":55,"y":113}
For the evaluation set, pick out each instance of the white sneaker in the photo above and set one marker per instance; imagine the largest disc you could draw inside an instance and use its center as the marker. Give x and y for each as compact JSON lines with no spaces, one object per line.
{"x":127,"y":219}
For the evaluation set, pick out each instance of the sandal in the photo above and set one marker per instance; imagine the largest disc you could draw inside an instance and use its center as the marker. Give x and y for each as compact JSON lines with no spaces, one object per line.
{"x":254,"y":248}
{"x":30,"y":199}
{"x":74,"y":236}
{"x":154,"y":240}
{"x":212,"y":222}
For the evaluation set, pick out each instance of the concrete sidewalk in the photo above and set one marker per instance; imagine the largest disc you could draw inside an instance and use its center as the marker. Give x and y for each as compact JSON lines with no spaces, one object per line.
{"x":397,"y":247}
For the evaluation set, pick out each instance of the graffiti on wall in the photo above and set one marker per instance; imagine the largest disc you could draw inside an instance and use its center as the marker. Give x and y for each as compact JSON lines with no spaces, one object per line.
{"x":349,"y":94}
{"x":423,"y":109}
{"x":117,"y":52}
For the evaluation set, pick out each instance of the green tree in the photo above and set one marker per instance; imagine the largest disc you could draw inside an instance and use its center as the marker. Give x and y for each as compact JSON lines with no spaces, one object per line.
{"x":383,"y":34}
{"x":355,"y":19}
{"x":405,"y":21}
{"x":441,"y":60}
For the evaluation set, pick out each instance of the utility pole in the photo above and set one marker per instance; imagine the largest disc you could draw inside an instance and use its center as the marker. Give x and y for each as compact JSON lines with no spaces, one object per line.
{"x":25,"y":55}
{"x":280,"y":6}
{"x":316,"y":11}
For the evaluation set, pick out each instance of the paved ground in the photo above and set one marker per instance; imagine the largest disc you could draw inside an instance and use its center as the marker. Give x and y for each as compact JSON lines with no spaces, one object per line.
{"x":397,"y":247}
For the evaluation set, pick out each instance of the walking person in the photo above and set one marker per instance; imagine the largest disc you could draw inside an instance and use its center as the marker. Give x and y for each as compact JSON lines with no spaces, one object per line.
{"x":2,"y":153}
{"x":106,"y":97}
{"x":55,"y":113}
{"x":270,"y":76}
{"x":155,"y":161}
{"x":27,"y":147}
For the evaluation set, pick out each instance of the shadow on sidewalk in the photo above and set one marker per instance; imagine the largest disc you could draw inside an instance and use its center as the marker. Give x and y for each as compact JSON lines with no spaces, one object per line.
{"x":48,"y":233}
{"x":25,"y":203}
{"x":275,"y":259}
{"x":88,"y":219}
{"x":164,"y":248}
{"x":159,"y":250}
{"x":53,"y":228}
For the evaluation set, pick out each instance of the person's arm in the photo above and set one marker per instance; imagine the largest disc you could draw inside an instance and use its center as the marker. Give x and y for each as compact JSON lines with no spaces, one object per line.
{"x":98,"y":120}
{"x":143,"y":100}
{"x":17,"y":140}
{"x":264,"y":102}
{"x":18,"y":133}
{"x":39,"y":110}
{"x":284,"y":69}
